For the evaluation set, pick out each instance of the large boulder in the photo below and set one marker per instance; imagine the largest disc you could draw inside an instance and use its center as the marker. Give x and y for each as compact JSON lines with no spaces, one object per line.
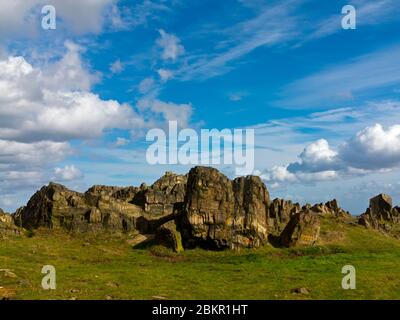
{"x":302,"y":229}
{"x":220,"y":213}
{"x":380,"y":215}
{"x":169,"y":236}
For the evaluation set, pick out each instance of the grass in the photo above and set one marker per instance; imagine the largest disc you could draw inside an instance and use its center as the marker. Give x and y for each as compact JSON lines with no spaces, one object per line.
{"x":105,"y":266}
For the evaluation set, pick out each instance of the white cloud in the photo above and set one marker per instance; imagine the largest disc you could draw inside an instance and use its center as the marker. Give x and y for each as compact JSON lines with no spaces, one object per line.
{"x":316,"y":157}
{"x":17,"y":17}
{"x":116,"y":67}
{"x":39,"y":105}
{"x":370,"y":150}
{"x":168,"y":110}
{"x":23,"y":167}
{"x":170,"y":45}
{"x":373,"y":148}
{"x":20,"y":175}
{"x":279,"y":174}
{"x":165,"y":74}
{"x":146,"y":85}
{"x":145,"y":11}
{"x":70,"y":72}
{"x":117,"y":21}
{"x":68,"y":173}
{"x":15,"y":155}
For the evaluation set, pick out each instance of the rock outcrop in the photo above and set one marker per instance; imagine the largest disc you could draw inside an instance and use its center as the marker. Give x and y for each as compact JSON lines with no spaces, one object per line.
{"x":380,"y":215}
{"x":7,"y":226}
{"x":104,"y":208}
{"x":331,"y":208}
{"x":302,"y":229}
{"x":166,"y":196}
{"x":221,"y":213}
{"x":55,"y":206}
{"x":203,"y":208}
{"x":279,"y":213}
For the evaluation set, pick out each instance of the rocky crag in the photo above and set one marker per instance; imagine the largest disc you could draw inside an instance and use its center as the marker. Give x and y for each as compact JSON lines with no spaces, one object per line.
{"x":7,"y":226}
{"x":381,"y":215}
{"x":201,"y":209}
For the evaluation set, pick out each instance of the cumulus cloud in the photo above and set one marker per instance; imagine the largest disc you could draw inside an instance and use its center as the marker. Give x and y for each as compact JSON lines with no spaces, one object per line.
{"x":68,"y":173}
{"x":370,"y":150}
{"x":373,"y":148}
{"x":38,"y":105}
{"x":170,"y":45}
{"x":70,"y":72}
{"x":316,"y":157}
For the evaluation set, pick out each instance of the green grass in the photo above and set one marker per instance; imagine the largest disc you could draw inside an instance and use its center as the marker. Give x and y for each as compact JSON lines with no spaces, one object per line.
{"x":94,"y":267}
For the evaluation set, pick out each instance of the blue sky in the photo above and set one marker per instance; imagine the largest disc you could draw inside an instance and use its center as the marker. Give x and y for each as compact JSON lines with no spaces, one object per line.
{"x":76,"y":102}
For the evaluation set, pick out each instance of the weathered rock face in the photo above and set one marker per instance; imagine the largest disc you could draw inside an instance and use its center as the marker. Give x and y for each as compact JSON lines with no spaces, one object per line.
{"x":55,"y":206}
{"x":279,"y":213}
{"x":103,"y":207}
{"x":380,"y":215}
{"x":221,"y":213}
{"x":118,"y":193}
{"x":7,"y":226}
{"x":166,"y":195}
{"x":331,"y":208}
{"x":302,"y":229}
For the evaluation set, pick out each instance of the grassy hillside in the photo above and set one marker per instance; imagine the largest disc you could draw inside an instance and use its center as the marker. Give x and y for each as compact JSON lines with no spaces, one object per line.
{"x":105,"y":266}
